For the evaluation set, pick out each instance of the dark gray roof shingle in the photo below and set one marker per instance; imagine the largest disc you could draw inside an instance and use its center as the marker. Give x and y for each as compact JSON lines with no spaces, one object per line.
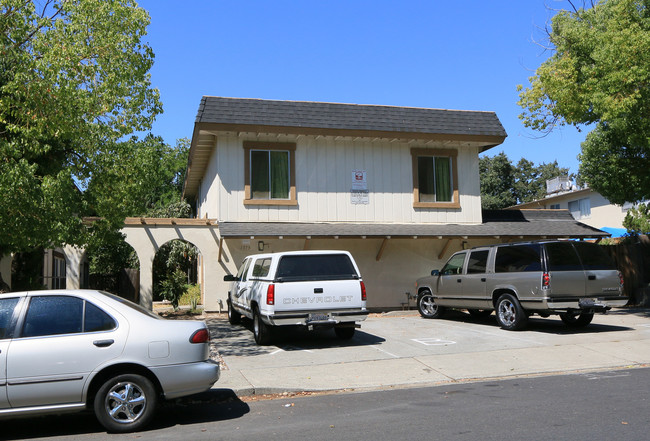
{"x":353,"y":117}
{"x":504,"y":223}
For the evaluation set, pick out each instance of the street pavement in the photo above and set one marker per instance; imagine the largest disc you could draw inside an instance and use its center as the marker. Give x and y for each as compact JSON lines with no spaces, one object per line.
{"x":401,"y":349}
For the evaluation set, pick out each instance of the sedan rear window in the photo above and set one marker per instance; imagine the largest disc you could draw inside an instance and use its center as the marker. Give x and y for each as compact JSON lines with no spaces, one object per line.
{"x":316,"y":267}
{"x":7,"y":307}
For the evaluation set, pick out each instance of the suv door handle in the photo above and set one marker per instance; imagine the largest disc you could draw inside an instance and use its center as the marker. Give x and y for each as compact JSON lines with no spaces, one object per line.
{"x":459,"y":280}
{"x":592,"y":277}
{"x":103,"y":343}
{"x":483,"y":279}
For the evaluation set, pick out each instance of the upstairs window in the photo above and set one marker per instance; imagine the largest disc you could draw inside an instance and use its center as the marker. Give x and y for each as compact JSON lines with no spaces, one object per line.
{"x":580,"y":209}
{"x":435,"y":178}
{"x":270,"y":173}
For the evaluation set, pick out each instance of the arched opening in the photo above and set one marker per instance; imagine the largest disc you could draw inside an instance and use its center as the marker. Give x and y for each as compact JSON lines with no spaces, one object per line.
{"x":175,"y":274}
{"x":113,"y":266}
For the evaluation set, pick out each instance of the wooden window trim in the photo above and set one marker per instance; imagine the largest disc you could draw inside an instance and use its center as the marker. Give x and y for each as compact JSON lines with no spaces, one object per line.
{"x":453,"y":154}
{"x":261,"y":145}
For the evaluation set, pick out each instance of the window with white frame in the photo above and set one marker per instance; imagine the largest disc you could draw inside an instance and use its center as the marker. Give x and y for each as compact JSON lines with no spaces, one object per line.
{"x":581,"y":208}
{"x":554,"y":206}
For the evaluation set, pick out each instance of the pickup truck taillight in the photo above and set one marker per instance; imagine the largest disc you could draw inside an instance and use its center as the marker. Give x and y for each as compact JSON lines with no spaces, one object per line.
{"x":270,"y":295}
{"x":363,"y":291}
{"x":546,"y":280}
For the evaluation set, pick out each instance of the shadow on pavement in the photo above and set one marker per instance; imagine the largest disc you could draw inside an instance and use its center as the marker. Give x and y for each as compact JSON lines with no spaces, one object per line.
{"x":237,"y":340}
{"x":211,"y":406}
{"x":550,"y":325}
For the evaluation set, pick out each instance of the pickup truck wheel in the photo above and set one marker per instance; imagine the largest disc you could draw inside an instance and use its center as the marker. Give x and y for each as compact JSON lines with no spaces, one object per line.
{"x":233,"y":316}
{"x":510,"y":315}
{"x":261,"y":331}
{"x":428,"y":307}
{"x":577,"y":320}
{"x":344,"y":333}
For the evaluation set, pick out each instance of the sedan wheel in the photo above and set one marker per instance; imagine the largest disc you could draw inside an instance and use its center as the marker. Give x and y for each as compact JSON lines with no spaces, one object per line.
{"x":428,"y":307}
{"x":125,"y":403}
{"x":510,"y":314}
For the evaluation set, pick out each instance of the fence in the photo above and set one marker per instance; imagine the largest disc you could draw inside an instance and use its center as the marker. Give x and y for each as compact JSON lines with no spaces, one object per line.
{"x":633,"y":260}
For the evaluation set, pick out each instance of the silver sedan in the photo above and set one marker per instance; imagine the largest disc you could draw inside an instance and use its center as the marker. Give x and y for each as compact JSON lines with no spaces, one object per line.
{"x":68,"y":350}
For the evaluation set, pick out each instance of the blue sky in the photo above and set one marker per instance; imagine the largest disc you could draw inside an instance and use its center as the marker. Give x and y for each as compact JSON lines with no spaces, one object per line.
{"x":465,"y":54}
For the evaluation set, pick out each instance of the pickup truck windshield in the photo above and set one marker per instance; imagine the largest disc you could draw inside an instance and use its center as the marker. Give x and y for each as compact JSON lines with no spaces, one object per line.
{"x":316,"y":267}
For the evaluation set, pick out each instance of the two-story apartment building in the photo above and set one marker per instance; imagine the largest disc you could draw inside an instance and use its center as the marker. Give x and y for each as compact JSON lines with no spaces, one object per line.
{"x":398,"y":187}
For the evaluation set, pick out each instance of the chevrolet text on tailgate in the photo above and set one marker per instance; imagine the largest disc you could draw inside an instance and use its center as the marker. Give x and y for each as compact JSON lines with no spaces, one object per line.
{"x":314,"y":289}
{"x":571,"y":279}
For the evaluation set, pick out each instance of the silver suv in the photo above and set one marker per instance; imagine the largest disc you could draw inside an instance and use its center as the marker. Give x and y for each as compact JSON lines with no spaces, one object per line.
{"x":572,"y":279}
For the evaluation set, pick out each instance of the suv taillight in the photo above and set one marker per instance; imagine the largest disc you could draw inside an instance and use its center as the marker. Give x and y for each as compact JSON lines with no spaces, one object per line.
{"x":270,"y":295}
{"x":546,"y":280}
{"x":200,"y":336}
{"x":621,"y":279}
{"x":363,"y":291}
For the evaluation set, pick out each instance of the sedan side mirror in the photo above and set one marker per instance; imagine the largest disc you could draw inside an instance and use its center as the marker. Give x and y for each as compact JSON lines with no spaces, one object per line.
{"x":435,"y":272}
{"x":230,"y":278}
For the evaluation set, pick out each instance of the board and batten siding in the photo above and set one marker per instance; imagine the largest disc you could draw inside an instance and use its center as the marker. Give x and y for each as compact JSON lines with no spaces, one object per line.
{"x":324,"y":168}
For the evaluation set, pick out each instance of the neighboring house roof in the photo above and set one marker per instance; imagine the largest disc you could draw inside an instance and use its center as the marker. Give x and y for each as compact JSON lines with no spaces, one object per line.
{"x":501,"y":223}
{"x":332,"y":119}
{"x":540,"y":203}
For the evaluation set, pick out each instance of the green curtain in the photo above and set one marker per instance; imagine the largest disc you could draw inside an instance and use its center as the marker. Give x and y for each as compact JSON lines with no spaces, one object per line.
{"x":425,"y":179}
{"x":279,"y":175}
{"x":260,"y":174}
{"x":443,"y":179}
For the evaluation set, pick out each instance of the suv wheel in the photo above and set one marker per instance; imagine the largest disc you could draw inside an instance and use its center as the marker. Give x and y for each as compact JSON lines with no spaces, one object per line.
{"x":428,"y":307}
{"x":510,"y":315}
{"x":577,"y":320}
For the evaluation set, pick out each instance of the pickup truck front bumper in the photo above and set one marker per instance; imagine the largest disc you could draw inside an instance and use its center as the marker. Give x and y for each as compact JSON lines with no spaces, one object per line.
{"x":319,"y":318}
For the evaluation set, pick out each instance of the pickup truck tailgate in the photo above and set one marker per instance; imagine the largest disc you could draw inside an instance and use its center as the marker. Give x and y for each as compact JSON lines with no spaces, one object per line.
{"x":326,"y":295}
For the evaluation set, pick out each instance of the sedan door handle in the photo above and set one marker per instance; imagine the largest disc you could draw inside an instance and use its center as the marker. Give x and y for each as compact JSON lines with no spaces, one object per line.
{"x":103,"y":343}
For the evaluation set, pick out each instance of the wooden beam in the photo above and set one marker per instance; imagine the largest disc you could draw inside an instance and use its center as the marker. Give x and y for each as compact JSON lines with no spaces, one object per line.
{"x":444,"y":249}
{"x":381,"y":249}
{"x":306,"y":244}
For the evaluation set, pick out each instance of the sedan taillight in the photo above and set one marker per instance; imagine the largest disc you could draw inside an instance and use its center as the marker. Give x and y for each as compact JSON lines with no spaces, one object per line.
{"x":200,"y":336}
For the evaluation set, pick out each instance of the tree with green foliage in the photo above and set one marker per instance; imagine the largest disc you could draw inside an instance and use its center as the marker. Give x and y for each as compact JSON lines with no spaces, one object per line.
{"x":497,"y":182}
{"x":74,"y":79}
{"x":599,"y":74}
{"x":504,"y":185}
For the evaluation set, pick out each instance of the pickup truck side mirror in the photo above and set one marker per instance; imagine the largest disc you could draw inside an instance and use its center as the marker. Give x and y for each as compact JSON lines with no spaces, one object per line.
{"x":230,"y":278}
{"x":435,"y":272}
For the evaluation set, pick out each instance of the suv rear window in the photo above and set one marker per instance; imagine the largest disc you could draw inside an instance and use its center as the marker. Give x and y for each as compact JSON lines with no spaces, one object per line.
{"x":316,"y":267}
{"x":517,"y":258}
{"x":594,"y":257}
{"x":562,"y":257}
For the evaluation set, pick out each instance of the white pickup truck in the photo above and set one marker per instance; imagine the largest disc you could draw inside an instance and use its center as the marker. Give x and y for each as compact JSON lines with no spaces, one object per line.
{"x":315,"y":289}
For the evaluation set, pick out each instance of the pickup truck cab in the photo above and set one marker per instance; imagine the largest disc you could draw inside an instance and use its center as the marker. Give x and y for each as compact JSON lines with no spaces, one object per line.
{"x":571,"y":279}
{"x":314,"y":289}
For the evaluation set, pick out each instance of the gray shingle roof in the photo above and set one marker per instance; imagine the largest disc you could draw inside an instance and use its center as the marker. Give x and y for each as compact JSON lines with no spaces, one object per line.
{"x":503,"y":223}
{"x":353,"y":117}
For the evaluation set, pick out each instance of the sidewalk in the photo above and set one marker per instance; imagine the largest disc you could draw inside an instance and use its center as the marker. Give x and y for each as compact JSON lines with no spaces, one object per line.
{"x":403,"y":350}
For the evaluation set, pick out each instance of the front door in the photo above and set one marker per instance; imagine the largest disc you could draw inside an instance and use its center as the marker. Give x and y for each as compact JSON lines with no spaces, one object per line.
{"x":450,"y":282}
{"x":7,"y":307}
{"x":61,"y":342}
